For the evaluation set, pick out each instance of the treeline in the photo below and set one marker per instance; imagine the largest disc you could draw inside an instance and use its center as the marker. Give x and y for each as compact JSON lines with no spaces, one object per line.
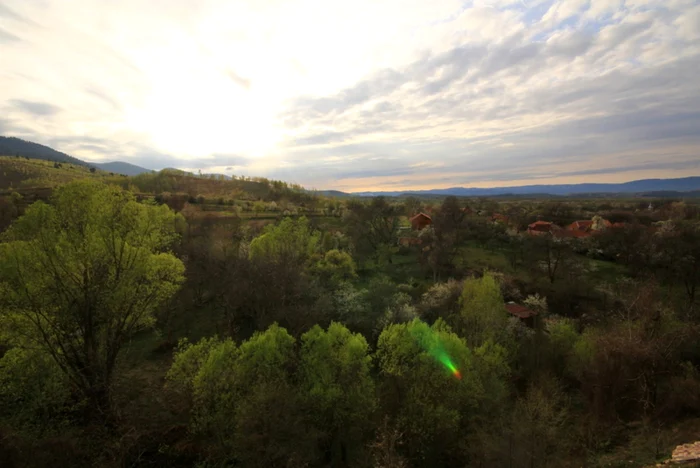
{"x":295,"y":346}
{"x":212,"y":188}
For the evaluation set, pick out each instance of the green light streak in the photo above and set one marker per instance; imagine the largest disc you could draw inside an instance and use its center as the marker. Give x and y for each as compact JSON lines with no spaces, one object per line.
{"x":430,"y":341}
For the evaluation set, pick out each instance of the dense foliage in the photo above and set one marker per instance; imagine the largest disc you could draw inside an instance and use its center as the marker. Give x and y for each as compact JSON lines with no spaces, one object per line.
{"x":143,"y":323}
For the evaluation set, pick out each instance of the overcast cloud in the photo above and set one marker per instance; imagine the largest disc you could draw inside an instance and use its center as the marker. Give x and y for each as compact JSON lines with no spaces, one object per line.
{"x":362,"y":95}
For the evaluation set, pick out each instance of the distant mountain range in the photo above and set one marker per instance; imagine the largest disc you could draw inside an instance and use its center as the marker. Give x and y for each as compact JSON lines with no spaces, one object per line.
{"x":686,"y":184}
{"x":119,"y":167}
{"x":11,"y":146}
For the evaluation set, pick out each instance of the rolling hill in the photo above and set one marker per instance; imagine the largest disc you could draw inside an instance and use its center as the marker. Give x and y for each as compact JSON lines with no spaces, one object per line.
{"x":119,"y":167}
{"x":11,"y":146}
{"x":18,"y":173}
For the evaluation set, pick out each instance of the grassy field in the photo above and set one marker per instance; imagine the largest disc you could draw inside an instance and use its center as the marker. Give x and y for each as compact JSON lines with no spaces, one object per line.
{"x":476,"y":257}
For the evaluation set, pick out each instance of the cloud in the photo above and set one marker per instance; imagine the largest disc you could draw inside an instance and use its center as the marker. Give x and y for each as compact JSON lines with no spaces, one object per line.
{"x":603,"y":90}
{"x":35,"y":108}
{"x":238,"y":79}
{"x":428,"y":95}
{"x":103,"y":96}
{"x":223,"y":159}
{"x":8,"y":37}
{"x":6,"y":12}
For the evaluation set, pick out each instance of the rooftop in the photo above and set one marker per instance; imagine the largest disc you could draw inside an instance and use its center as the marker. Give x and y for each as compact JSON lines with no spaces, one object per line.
{"x":519,"y":310}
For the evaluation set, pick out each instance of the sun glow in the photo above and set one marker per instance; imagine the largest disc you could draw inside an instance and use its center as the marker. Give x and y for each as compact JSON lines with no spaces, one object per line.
{"x":196,"y":105}
{"x":204,"y":119}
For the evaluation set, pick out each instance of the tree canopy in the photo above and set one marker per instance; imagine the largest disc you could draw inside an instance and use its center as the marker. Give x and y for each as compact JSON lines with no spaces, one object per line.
{"x":80,"y":276}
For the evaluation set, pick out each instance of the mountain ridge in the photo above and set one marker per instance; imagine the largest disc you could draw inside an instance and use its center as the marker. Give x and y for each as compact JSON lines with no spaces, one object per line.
{"x":683,"y":184}
{"x":13,"y":146}
{"x":121,"y":167}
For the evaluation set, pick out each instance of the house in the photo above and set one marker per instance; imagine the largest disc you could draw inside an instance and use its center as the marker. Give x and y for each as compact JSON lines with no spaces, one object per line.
{"x":540,"y":228}
{"x":522,"y":312}
{"x":420,"y":221}
{"x":589,"y":226}
{"x":499,"y":218}
{"x":569,"y":234}
{"x":582,"y":226}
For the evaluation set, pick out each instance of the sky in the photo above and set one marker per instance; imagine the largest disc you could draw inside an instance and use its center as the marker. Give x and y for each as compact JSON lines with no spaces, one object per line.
{"x":361,"y":95}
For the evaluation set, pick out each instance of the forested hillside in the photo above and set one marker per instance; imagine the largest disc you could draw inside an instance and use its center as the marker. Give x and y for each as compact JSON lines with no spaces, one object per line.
{"x":169,"y":319}
{"x":12,"y":146}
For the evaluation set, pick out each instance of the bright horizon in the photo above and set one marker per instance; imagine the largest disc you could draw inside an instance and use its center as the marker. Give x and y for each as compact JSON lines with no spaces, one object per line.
{"x":362,"y":96}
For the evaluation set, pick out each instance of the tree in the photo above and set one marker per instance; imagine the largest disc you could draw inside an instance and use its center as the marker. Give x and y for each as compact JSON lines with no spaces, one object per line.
{"x":33,"y":390}
{"x":259,"y":207}
{"x":483,"y":315}
{"x":378,"y":297}
{"x":623,"y":365}
{"x":372,"y":226}
{"x":677,"y":253}
{"x":622,"y":243}
{"x":432,"y":407}
{"x":385,"y":448}
{"x":335,"y":267}
{"x":548,"y":253}
{"x":80,"y":276}
{"x":399,"y":310}
{"x":450,"y":216}
{"x":443,"y":237}
{"x":289,"y":241}
{"x":245,"y":400}
{"x":338,"y":389}
{"x":440,"y":301}
{"x":412,"y":206}
{"x":539,"y":420}
{"x":9,"y":209}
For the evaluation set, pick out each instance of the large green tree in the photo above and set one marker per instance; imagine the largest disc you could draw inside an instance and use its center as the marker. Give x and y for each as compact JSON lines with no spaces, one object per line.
{"x":338,"y":389}
{"x":434,"y":408}
{"x":442,"y":240}
{"x":372,"y":227}
{"x":80,"y":276}
{"x":483,"y":314}
{"x":244,"y":399}
{"x":272,"y":403}
{"x":291,"y":240}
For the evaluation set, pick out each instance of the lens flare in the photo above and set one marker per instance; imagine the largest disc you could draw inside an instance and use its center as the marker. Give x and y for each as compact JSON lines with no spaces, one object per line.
{"x":447,"y":362}
{"x":430,"y":341}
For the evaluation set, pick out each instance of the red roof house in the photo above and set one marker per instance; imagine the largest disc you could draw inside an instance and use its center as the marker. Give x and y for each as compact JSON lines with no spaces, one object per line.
{"x":572,"y":234}
{"x":539,"y":228}
{"x":521,"y":312}
{"x":499,"y":218}
{"x":586,"y":226}
{"x":420,"y":221}
{"x":583,"y":226}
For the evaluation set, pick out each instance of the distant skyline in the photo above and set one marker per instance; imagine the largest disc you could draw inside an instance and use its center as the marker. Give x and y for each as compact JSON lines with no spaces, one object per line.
{"x":365,"y":95}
